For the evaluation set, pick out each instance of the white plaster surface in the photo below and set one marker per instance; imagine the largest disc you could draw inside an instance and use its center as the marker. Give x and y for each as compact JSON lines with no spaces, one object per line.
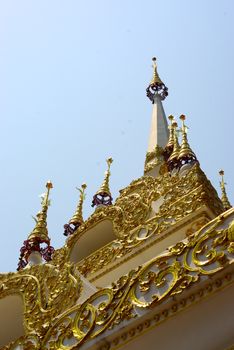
{"x":159,"y":127}
{"x":11,"y":319}
{"x":206,"y":325}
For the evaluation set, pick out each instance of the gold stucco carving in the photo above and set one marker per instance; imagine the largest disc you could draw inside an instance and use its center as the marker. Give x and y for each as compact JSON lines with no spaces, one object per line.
{"x":43,"y":289}
{"x":203,"y":254}
{"x":153,"y":159}
{"x":131,"y":213}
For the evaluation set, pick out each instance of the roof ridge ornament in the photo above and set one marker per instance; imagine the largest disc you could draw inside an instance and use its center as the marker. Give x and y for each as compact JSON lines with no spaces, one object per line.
{"x":173,"y":161}
{"x":156,"y":86}
{"x":38,"y":236}
{"x":103,"y":196}
{"x":224,"y":197}
{"x":77,"y":218}
{"x":186,"y":154}
{"x":170,"y":144}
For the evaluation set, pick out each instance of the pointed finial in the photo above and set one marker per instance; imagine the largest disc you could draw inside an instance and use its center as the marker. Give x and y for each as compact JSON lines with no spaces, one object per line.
{"x":186,"y":154}
{"x":77,"y":218}
{"x":155,"y":78}
{"x":224,"y":197}
{"x":156,"y":86}
{"x":40,"y":230}
{"x":169,"y":146}
{"x":39,"y":235}
{"x":173,"y":161}
{"x":103,"y":195}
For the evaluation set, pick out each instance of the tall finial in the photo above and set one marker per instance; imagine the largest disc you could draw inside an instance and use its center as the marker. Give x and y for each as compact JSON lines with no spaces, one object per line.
{"x":173,"y":162}
{"x":155,"y":79}
{"x":170,"y":144}
{"x":224,"y":197}
{"x":77,"y":218}
{"x":156,"y":86}
{"x":186,"y":155}
{"x":103,"y":195}
{"x":39,"y":235}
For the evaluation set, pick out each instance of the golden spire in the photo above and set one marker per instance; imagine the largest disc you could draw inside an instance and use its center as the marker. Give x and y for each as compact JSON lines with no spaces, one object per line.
{"x":105,"y":185}
{"x":170,"y":143}
{"x":224,"y":197}
{"x":155,"y":80}
{"x":77,"y":218}
{"x":40,"y":231}
{"x":156,"y":86}
{"x":176,"y":146}
{"x":103,"y":195}
{"x":185,"y":151}
{"x":38,"y":236}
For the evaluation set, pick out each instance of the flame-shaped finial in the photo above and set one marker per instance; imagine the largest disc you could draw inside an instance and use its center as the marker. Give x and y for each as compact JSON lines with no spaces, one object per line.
{"x":156,"y":86}
{"x":40,"y":231}
{"x":155,"y":79}
{"x":103,"y":195}
{"x":77,"y":218}
{"x":224,"y":197}
{"x":39,"y":235}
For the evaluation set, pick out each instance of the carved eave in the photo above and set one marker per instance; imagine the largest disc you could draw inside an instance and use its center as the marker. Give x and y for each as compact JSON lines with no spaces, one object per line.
{"x":178,"y":281}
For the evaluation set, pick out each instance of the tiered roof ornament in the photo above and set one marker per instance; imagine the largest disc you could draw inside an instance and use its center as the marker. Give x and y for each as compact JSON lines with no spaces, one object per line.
{"x":103,"y":195}
{"x":224,"y":197}
{"x":77,"y":218}
{"x":156,"y":86}
{"x":32,"y":250}
{"x":182,"y":156}
{"x":173,"y":161}
{"x":186,"y":154}
{"x":170,"y":145}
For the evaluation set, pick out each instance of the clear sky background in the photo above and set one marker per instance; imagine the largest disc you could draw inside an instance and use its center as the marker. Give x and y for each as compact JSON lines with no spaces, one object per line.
{"x":72,"y":92}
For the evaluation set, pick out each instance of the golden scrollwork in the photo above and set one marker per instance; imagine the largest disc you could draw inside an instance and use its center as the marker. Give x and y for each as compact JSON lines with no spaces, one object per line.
{"x":43,"y":288}
{"x":153,"y":158}
{"x":134,"y":224}
{"x":204,"y":253}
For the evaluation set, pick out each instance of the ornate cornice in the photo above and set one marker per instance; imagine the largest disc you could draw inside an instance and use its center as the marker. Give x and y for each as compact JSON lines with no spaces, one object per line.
{"x":176,"y":306}
{"x":206,"y":253}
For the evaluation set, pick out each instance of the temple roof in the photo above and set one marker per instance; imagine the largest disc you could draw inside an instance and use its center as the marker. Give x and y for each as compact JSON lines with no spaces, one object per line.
{"x":165,"y":235}
{"x":156,"y":290}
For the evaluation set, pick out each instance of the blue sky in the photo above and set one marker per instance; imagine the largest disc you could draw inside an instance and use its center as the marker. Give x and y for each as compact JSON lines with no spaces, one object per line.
{"x":72,"y":84}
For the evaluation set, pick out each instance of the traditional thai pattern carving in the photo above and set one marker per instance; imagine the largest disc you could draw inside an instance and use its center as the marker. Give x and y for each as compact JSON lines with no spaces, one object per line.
{"x":43,"y":289}
{"x":153,"y":159}
{"x":196,"y":225}
{"x":182,"y":196}
{"x":203,"y":254}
